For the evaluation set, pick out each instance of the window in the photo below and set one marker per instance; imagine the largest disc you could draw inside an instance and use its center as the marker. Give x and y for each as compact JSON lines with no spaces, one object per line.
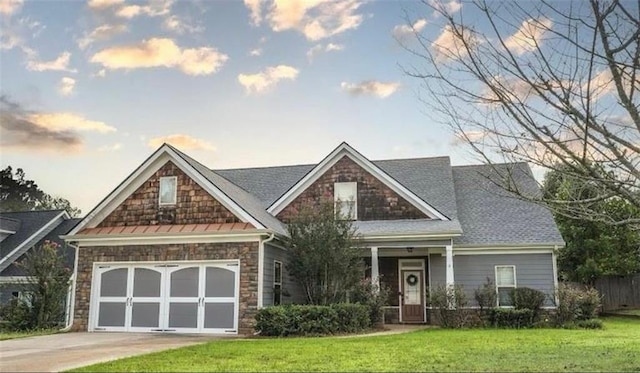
{"x":345,"y":198}
{"x":277,"y":283}
{"x":505,"y":282}
{"x":168,"y":190}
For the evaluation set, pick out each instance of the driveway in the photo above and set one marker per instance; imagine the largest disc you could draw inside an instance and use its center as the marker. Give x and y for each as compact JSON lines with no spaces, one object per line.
{"x":51,"y":353}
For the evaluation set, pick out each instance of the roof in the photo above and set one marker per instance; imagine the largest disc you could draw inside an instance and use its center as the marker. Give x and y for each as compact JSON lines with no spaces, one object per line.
{"x":167,"y":228}
{"x":33,"y":221}
{"x":9,"y":225}
{"x":484,"y":213}
{"x":491,"y":216}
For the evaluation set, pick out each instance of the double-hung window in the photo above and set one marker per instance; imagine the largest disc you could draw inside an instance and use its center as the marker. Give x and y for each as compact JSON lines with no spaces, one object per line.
{"x":345,"y":199}
{"x":505,"y":283}
{"x":277,"y":283}
{"x":168,"y":190}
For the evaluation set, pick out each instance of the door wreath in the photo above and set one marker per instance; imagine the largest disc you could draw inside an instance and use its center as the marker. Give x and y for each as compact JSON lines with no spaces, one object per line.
{"x":412,"y":280}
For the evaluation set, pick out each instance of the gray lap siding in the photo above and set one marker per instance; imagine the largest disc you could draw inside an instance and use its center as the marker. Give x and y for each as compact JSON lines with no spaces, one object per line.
{"x":471,"y":271}
{"x":290,"y":287}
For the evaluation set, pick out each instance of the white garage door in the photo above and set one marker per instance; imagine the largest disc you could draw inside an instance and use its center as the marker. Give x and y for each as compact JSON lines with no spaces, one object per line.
{"x":166,"y":297}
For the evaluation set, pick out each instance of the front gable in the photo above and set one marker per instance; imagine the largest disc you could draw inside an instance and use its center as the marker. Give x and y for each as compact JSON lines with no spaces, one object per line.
{"x":375,"y":200}
{"x":193,"y":205}
{"x":380,"y":197}
{"x":135,"y":201}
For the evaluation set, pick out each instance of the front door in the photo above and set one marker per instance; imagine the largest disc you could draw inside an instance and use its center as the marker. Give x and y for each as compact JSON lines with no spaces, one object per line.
{"x":412,"y":296}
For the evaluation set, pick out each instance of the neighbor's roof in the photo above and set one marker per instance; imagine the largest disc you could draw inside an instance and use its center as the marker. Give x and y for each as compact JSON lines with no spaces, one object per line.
{"x":9,"y":225}
{"x":67,"y":251}
{"x":484,"y":213}
{"x":30,"y":223}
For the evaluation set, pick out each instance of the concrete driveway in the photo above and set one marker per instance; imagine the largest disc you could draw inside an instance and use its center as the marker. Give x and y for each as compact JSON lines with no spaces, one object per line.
{"x":52,"y":353}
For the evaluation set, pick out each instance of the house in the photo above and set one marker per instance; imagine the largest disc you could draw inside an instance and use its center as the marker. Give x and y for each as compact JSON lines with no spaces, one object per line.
{"x":23,"y":231}
{"x":182,"y":248}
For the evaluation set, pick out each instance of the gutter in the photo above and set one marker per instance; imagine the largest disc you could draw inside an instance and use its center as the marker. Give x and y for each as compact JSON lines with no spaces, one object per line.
{"x":71,"y":299}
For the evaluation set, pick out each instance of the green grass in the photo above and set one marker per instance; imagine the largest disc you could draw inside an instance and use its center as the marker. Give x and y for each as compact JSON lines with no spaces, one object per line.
{"x":630,"y":312}
{"x":12,"y":335}
{"x":615,"y":348}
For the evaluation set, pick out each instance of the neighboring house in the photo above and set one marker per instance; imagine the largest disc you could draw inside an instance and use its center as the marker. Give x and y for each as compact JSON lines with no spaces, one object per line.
{"x":183,"y":248}
{"x":23,"y":231}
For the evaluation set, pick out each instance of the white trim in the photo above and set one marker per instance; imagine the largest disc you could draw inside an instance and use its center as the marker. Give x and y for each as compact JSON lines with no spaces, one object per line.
{"x":166,"y":239}
{"x":502,"y":251}
{"x":514,"y":286}
{"x":14,"y":279}
{"x":175,"y":191}
{"x":29,"y":240}
{"x":554,"y":263}
{"x":429,"y":269}
{"x":338,"y":153}
{"x":409,"y":236}
{"x":72,"y":309}
{"x":276,"y":282}
{"x":6,"y":231}
{"x":401,"y":282}
{"x":449,"y":270}
{"x":261,"y":269}
{"x":158,"y":159}
{"x":375,"y":268}
{"x":509,"y":246}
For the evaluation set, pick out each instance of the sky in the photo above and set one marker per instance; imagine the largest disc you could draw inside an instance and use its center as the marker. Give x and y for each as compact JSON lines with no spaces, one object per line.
{"x":93,"y":88}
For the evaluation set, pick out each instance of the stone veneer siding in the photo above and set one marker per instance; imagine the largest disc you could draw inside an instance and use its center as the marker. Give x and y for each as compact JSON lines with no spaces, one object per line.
{"x":193,"y":205}
{"x":375,"y":200}
{"x":247,"y":252}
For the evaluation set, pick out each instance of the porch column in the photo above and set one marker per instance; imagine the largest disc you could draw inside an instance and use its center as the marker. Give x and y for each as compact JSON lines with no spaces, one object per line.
{"x":449,"y":269}
{"x":375,"y":275}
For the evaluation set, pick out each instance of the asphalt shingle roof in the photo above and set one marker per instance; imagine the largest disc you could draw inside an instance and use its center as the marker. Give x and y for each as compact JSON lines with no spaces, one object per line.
{"x":486,"y":214}
{"x":30,"y":223}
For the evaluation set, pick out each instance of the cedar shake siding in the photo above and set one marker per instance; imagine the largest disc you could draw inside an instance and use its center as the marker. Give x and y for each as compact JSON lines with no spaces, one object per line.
{"x":247,"y":252}
{"x":193,"y":204}
{"x":375,"y":200}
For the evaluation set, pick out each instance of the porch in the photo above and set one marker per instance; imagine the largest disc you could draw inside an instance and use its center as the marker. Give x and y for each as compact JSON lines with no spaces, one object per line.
{"x":409,"y":272}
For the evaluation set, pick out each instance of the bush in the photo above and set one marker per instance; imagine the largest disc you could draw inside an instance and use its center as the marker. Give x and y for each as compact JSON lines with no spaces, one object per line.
{"x":486,"y":296}
{"x":589,"y":324}
{"x":374,"y":298}
{"x":312,"y":320}
{"x":511,"y":318}
{"x":449,"y":305}
{"x":576,"y":303}
{"x":530,"y":299}
{"x":16,"y":316}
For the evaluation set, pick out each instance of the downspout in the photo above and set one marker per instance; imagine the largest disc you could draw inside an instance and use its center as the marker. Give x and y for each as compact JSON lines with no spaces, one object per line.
{"x":72,"y":302}
{"x":261,"y":268}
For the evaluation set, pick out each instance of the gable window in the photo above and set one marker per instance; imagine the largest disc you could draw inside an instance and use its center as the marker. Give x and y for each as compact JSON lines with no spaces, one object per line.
{"x":277,"y":283}
{"x":345,"y":199}
{"x":505,"y":282}
{"x":168,"y":190}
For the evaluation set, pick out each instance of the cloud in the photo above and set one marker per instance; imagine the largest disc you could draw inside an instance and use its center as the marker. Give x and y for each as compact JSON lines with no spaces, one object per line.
{"x":66,"y":86}
{"x":468,"y":137}
{"x":529,"y":36}
{"x":157,"y":52}
{"x":449,"y":45}
{"x":184,"y":142}
{"x":403,"y":31}
{"x":59,"y":64}
{"x":181,"y":26}
{"x":311,"y":53}
{"x":103,"y":4}
{"x":371,"y":87}
{"x":155,"y":8}
{"x":446,"y":7}
{"x":602,"y":83}
{"x":101,"y":33}
{"x":315,"y":19}
{"x":24,"y":130}
{"x":110,"y":148}
{"x":100,"y":74}
{"x":255,"y":9}
{"x":10,"y":7}
{"x":255,"y":52}
{"x":264,"y":81}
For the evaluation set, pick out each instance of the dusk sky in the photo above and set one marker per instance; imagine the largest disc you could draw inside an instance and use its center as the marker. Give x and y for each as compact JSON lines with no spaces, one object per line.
{"x":93,"y":88}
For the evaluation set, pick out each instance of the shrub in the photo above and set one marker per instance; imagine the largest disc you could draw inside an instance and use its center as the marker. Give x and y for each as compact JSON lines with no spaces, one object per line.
{"x":486,"y":296}
{"x":576,"y":303}
{"x":528,"y":298}
{"x":16,"y":316}
{"x":373,"y":297}
{"x":449,"y":305}
{"x":589,"y":324}
{"x":511,"y":318}
{"x":312,"y":320}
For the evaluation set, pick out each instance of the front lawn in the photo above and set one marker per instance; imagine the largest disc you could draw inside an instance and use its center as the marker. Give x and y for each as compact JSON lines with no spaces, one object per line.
{"x":616,"y":348}
{"x":13,"y":335}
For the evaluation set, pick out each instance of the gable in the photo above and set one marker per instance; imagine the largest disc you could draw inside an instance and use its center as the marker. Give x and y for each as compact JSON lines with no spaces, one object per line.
{"x":397,"y":193}
{"x":194,"y":205}
{"x":375,"y":200}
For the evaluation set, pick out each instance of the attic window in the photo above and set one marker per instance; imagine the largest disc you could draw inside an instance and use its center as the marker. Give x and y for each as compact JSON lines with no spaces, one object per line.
{"x":345,"y":199}
{"x":168,"y":190}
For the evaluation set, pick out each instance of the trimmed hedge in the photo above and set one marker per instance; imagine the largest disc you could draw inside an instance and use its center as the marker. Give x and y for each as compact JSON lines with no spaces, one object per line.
{"x":291,"y":320}
{"x":511,"y":318}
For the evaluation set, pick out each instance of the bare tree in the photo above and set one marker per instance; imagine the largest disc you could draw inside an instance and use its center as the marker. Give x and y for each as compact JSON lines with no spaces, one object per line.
{"x":552,"y":84}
